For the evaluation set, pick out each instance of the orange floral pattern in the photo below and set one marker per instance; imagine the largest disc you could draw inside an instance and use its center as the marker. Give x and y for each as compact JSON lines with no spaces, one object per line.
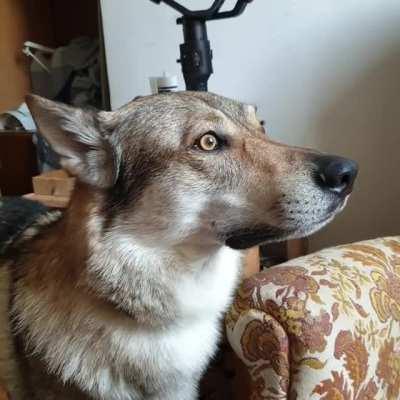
{"x":325,"y":326}
{"x":355,"y":357}
{"x":257,"y":341}
{"x":334,"y":388}
{"x":389,"y":369}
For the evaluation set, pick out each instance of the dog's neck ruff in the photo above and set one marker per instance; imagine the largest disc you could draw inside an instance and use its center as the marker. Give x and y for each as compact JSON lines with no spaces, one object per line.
{"x":143,"y":280}
{"x":171,"y":307}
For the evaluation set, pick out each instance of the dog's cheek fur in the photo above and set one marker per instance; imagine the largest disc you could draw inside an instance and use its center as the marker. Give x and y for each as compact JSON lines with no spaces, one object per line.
{"x":262,"y":187}
{"x":153,"y":192}
{"x":228,"y":179}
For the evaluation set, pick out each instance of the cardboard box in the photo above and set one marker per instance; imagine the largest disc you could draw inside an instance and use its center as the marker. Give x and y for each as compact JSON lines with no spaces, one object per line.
{"x":54,"y":183}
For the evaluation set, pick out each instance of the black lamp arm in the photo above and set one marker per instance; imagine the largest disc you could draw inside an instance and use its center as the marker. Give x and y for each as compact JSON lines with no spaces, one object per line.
{"x":236,"y":11}
{"x":196,"y":53}
{"x":210,"y":13}
{"x":193,"y":14}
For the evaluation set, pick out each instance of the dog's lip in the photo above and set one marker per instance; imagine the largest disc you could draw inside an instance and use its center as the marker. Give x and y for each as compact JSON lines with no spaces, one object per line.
{"x":328,"y":216}
{"x":246,"y":238}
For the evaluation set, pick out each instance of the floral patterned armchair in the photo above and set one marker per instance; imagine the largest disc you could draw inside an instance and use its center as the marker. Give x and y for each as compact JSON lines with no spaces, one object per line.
{"x":324,"y":326}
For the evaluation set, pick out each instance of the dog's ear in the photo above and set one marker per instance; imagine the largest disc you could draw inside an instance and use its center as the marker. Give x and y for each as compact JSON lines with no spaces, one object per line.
{"x":78,"y":137}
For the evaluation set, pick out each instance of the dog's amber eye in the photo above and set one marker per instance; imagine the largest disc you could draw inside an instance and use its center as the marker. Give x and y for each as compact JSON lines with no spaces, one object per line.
{"x":208,"y":142}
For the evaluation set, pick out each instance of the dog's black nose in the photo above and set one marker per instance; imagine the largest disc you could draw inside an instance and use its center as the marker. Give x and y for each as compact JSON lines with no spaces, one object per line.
{"x":336,"y":173}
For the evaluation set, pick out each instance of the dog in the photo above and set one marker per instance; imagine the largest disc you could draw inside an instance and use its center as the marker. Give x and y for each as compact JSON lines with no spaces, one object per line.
{"x":121,"y":296}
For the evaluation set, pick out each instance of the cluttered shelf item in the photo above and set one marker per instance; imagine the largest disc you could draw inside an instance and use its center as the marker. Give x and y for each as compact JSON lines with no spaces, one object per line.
{"x":51,"y":57}
{"x":53,"y":189}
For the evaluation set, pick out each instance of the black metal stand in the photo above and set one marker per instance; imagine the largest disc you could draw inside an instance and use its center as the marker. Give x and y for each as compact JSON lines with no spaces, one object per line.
{"x":196,"y":53}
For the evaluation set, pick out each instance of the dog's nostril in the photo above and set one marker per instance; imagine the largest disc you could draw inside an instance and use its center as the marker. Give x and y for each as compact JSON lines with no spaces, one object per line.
{"x":346,"y":179}
{"x":336,"y":174}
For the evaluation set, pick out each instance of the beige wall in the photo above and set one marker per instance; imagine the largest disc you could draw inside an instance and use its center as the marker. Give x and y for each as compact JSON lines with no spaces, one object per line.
{"x":324,"y":73}
{"x":362,"y":119}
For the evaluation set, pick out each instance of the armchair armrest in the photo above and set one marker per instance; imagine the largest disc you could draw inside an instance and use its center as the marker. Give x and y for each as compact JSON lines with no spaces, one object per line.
{"x":323,"y":326}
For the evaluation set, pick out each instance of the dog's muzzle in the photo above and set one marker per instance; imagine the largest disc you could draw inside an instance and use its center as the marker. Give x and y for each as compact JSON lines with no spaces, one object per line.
{"x":333,"y":175}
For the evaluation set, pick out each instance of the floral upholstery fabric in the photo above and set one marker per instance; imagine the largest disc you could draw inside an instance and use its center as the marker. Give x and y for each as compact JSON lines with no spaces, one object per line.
{"x":324,"y":326}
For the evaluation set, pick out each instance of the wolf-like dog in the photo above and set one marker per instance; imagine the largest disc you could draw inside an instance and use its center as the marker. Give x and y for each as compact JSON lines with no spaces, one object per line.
{"x":120,"y":297}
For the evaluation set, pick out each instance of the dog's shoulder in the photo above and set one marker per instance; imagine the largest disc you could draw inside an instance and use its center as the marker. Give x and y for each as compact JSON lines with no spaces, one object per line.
{"x":20,"y":220}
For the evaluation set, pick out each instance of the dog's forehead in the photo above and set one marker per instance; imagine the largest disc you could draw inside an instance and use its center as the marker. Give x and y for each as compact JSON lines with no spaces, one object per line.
{"x":167,"y":118}
{"x":180,"y":106}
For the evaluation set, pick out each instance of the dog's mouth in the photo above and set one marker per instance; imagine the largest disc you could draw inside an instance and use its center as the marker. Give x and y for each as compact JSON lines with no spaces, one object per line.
{"x":248,"y":237}
{"x":245,"y":238}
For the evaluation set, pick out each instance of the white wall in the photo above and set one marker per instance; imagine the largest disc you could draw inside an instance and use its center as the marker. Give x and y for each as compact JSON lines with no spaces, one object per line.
{"x":324,"y":73}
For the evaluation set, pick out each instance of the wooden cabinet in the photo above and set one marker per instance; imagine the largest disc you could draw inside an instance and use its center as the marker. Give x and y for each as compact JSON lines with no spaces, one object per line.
{"x":49,"y":22}
{"x":18,"y":163}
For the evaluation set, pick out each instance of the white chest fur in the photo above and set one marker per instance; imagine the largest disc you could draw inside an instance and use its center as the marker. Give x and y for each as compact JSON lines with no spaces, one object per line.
{"x":206,"y":293}
{"x":127,"y":361}
{"x":182,"y":351}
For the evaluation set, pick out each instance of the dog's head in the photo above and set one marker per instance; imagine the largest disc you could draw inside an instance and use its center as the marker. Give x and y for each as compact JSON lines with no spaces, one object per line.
{"x":194,"y":168}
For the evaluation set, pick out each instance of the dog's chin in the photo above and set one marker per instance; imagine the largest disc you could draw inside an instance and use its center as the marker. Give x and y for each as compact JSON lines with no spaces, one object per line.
{"x":246,"y":238}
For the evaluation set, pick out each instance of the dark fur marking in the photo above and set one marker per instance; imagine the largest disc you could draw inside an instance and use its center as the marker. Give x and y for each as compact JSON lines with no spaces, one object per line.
{"x":248,"y":237}
{"x":16,"y":215}
{"x":130,"y":183}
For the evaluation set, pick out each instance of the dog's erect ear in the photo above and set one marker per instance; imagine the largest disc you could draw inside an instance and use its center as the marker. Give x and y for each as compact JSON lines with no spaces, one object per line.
{"x":78,"y":137}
